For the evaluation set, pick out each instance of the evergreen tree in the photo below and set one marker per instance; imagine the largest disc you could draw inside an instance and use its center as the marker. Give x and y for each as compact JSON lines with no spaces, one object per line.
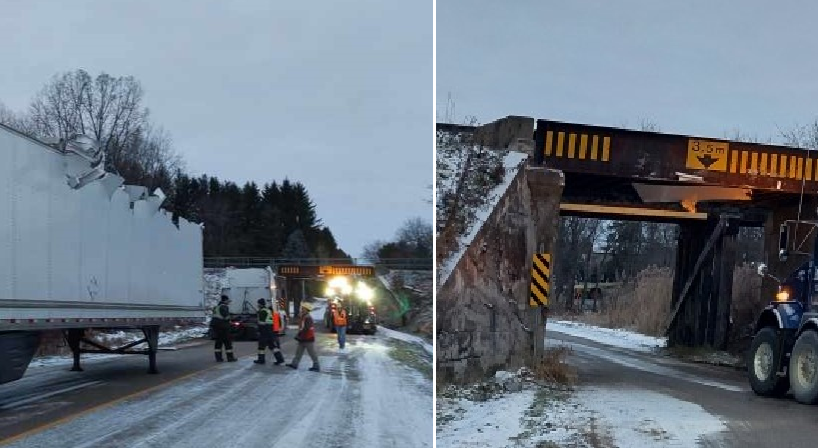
{"x":296,"y":246}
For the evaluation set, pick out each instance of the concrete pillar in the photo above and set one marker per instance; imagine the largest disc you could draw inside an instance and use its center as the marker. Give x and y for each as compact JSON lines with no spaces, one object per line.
{"x":545,"y":189}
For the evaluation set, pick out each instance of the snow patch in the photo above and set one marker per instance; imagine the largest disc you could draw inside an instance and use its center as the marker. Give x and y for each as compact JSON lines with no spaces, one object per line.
{"x":641,"y":418}
{"x":613,"y":337}
{"x":590,"y":418}
{"x":511,"y":164}
{"x":493,"y":423}
{"x":406,"y":338}
{"x":166,"y":340}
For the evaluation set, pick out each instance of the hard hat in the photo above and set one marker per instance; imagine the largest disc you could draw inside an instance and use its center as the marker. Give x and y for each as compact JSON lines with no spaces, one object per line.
{"x":307,"y":306}
{"x":261,"y":302}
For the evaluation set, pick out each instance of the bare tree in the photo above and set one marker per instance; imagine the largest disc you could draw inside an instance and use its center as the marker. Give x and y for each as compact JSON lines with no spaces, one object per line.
{"x":801,"y":136}
{"x":416,"y":232}
{"x":7,"y":117}
{"x":106,"y":108}
{"x":370,"y":251}
{"x":16,"y":121}
{"x":110,"y":110}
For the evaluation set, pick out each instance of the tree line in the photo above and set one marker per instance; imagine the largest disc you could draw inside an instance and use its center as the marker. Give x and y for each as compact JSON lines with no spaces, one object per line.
{"x":413,"y":240}
{"x":274,"y":219}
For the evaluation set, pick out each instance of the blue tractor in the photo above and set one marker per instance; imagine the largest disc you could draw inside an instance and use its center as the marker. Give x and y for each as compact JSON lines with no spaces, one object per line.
{"x":783,"y":352}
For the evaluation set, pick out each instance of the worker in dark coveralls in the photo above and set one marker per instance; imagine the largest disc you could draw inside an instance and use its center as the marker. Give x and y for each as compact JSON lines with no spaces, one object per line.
{"x":268,"y":339}
{"x":220,"y":325}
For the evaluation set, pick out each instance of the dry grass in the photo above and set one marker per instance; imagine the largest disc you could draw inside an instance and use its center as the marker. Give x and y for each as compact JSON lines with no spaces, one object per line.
{"x":597,"y":438}
{"x":746,"y":303}
{"x":553,"y":367}
{"x":641,"y":304}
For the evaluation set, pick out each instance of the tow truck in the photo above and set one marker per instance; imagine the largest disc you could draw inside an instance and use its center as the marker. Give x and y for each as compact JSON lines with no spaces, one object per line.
{"x":358,"y":302}
{"x":783,"y":351}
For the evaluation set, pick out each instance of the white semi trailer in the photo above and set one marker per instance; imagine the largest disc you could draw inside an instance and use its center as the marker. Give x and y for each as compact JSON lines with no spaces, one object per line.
{"x":245,"y":287}
{"x":79,"y":250}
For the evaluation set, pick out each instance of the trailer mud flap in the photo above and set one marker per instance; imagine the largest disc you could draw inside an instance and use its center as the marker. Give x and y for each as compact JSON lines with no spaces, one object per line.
{"x":16,"y":350}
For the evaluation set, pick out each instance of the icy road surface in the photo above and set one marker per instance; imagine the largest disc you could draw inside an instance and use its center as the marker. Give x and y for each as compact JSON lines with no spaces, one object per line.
{"x":376,"y":393}
{"x":627,"y":396}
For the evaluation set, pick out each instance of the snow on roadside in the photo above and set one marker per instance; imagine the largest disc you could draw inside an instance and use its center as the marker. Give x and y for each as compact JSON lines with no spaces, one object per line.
{"x":406,"y":338}
{"x":608,"y":336}
{"x":587,"y":418}
{"x":166,"y":339}
{"x":481,"y":424}
{"x":511,"y":164}
{"x":642,"y":418}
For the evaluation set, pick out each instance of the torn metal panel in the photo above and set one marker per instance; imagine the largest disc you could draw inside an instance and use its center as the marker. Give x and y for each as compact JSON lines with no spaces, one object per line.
{"x":621,"y":212}
{"x":690,"y":193}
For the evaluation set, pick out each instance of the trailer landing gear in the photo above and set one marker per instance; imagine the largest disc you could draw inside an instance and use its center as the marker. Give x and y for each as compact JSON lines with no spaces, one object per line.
{"x":75,"y":337}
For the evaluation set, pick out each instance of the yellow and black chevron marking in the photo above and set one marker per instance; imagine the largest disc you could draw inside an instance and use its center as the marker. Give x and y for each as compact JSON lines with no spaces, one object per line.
{"x":346,"y":270}
{"x":577,"y":146}
{"x":288,"y":270}
{"x":539,"y":289}
{"x":774,"y":165}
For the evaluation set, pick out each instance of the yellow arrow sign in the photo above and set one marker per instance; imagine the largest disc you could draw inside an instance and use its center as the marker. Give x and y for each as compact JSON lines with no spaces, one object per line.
{"x":707,"y":155}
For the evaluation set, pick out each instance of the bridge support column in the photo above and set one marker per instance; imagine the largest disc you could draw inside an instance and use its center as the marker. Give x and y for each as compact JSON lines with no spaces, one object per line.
{"x":545,"y":189}
{"x":701,"y":297}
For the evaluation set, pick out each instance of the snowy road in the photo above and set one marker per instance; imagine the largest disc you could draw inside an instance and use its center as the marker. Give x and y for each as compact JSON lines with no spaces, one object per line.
{"x":627,"y":395}
{"x":376,"y":393}
{"x":629,"y":389}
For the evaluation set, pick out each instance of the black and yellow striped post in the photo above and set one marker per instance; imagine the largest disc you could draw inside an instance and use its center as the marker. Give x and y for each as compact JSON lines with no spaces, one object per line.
{"x":539,"y":288}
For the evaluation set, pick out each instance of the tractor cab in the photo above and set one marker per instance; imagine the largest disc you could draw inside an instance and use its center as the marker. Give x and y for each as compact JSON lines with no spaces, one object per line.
{"x":783,"y":352}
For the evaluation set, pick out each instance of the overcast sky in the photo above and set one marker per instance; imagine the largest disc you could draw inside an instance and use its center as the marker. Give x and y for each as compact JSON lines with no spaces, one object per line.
{"x":336,"y":95}
{"x":692,"y":67}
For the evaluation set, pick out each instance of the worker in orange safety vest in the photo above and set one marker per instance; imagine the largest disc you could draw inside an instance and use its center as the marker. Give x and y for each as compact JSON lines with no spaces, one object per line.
{"x":340,"y":322}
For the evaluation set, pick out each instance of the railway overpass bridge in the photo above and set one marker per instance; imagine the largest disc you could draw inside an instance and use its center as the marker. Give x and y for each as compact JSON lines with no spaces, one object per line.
{"x":708,"y":186}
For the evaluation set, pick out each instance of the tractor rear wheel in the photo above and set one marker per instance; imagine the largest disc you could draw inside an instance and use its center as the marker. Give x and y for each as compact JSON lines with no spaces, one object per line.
{"x":802,"y":369}
{"x":763,"y":363}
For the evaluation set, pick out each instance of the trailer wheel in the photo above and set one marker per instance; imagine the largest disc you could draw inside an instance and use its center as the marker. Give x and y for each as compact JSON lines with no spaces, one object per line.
{"x":762,"y":365}
{"x":802,"y":368}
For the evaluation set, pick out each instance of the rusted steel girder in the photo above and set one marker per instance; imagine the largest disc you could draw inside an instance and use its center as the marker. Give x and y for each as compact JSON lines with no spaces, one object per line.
{"x":651,"y":156}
